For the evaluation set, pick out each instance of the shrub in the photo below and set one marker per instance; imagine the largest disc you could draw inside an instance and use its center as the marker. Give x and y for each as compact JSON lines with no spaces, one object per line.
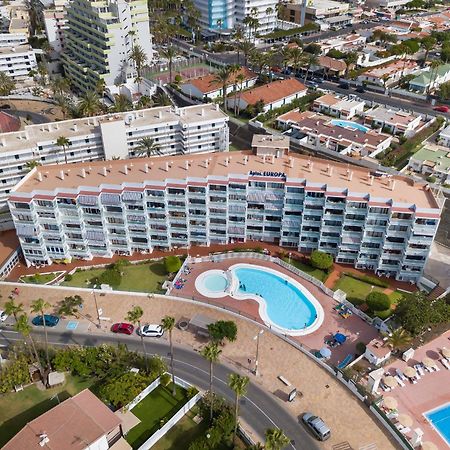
{"x":172,"y":264}
{"x":14,"y":374}
{"x":360,"y":347}
{"x":383,"y":314}
{"x":321,"y":260}
{"x":178,"y":78}
{"x":165,"y":379}
{"x":378,"y":301}
{"x":356,"y":300}
{"x":223,"y":329}
{"x":431,"y":179}
{"x":367,"y":279}
{"x":68,"y":277}
{"x":111,"y":276}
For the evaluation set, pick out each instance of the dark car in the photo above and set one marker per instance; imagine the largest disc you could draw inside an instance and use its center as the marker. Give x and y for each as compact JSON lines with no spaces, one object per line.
{"x":50,"y":321}
{"x":122,"y":328}
{"x":360,"y":89}
{"x":344,"y":85}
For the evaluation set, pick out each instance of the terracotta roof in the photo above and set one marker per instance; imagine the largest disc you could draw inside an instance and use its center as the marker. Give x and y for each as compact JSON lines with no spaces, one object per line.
{"x":332,"y":63}
{"x":72,"y":425}
{"x":377,"y":348}
{"x":208,"y":84}
{"x":327,"y":99}
{"x":273,"y":92}
{"x":294,"y":116}
{"x":391,"y":68}
{"x":8,"y":122}
{"x":9,"y":243}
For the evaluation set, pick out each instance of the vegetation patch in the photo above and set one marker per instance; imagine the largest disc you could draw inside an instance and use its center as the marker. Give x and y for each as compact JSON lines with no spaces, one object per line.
{"x":39,"y":278}
{"x":321,"y":275}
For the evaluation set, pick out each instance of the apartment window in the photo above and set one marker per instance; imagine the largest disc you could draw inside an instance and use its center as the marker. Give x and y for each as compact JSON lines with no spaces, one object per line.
{"x":313,"y":194}
{"x":376,"y":210}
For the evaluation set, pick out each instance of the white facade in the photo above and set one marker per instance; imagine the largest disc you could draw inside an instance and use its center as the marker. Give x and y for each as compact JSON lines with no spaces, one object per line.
{"x":194,"y":129}
{"x":389,"y":4}
{"x":266,"y":13}
{"x":55,"y":23}
{"x":13,"y":39}
{"x":444,"y":136}
{"x":17,"y":61}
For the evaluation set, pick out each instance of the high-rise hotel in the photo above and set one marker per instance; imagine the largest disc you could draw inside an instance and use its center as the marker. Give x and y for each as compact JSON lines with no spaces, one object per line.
{"x":98,"y":209}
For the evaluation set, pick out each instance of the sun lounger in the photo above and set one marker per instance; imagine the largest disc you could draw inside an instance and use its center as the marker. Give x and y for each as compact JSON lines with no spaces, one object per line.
{"x":385,"y":388}
{"x":399,"y":381}
{"x":436,"y":368}
{"x":401,"y":375}
{"x":445,"y":363}
{"x":419,"y":369}
{"x":405,"y":430}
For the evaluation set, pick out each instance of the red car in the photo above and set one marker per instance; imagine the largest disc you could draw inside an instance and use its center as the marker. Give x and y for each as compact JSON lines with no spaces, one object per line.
{"x":444,"y":109}
{"x":123,"y":328}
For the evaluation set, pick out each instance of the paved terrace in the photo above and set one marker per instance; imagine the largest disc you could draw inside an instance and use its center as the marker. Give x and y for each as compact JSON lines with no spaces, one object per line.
{"x":430,"y":392}
{"x":349,"y":419}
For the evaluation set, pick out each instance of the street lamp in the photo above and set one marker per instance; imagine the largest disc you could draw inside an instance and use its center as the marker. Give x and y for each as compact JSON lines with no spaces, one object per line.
{"x":256,"y":338}
{"x":290,"y":257}
{"x":96,"y":306}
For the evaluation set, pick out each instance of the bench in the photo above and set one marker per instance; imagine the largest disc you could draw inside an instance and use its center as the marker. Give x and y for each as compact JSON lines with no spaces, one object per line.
{"x":283,"y":380}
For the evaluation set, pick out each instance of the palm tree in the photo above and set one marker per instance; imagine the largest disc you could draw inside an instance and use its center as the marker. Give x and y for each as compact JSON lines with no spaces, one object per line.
{"x":433,"y":73}
{"x":11,"y":308}
{"x":246,"y":48}
{"x":134,"y":316}
{"x":39,"y":306}
{"x":238,"y":384}
{"x":100,"y":87}
{"x":219,"y":24}
{"x":211,"y":353}
{"x":310,"y":60}
{"x":121,"y":103}
{"x":89,"y":104}
{"x":23,"y":327}
{"x":238,"y":36}
{"x":63,"y":143}
{"x":145,"y":101}
{"x":168,"y":324}
{"x":223,"y":77}
{"x":139,"y":59}
{"x":286,"y":57}
{"x":60,"y":86}
{"x":240,"y":78}
{"x":296,"y":58}
{"x":7,"y":84}
{"x":162,"y":99}
{"x":30,"y":165}
{"x":276,"y":439}
{"x":64,"y":102}
{"x":146,"y":147}
{"x":170,"y":53}
{"x":257,"y":446}
{"x":428,"y":44}
{"x":350,"y":60}
{"x":398,"y":339}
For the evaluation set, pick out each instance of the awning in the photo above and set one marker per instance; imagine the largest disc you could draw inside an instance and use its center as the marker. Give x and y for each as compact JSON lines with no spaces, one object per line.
{"x":25,"y":230}
{"x":131,"y":195}
{"x":201,"y":321}
{"x":339,"y":337}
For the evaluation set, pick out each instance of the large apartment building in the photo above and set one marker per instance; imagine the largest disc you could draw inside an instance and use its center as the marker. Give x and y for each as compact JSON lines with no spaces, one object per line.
{"x":193,"y":129}
{"x":385,"y":224}
{"x":99,"y":40}
{"x":17,"y":61}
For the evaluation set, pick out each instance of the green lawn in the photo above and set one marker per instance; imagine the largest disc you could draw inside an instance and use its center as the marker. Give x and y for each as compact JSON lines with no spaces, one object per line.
{"x":145,"y":277}
{"x":158,"y":405}
{"x":16,"y":409}
{"x":39,"y":278}
{"x":321,"y":275}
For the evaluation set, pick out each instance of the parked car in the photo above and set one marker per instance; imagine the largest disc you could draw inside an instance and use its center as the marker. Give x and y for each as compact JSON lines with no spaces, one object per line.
{"x":3,"y":316}
{"x":360,"y":89}
{"x":151,"y":330}
{"x":122,"y":328}
{"x":312,"y":84}
{"x":344,"y":85}
{"x":317,"y":426}
{"x":50,"y":321}
{"x":442,"y":108}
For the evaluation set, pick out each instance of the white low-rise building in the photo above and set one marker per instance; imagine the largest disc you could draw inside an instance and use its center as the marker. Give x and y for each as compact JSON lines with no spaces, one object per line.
{"x":390,"y":73}
{"x":394,"y":121}
{"x":13,"y":39}
{"x":377,"y":352}
{"x":432,"y":160}
{"x":444,"y":136}
{"x":17,"y":61}
{"x":194,"y":129}
{"x":342,"y":107}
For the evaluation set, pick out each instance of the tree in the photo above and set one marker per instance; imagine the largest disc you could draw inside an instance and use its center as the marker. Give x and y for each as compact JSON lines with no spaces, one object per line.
{"x":276,"y":439}
{"x":444,"y":91}
{"x":64,"y":102}
{"x":89,"y":104}
{"x":222,"y":329}
{"x":168,"y":324}
{"x":134,"y":316}
{"x":246,"y":49}
{"x":238,"y":384}
{"x":378,"y":301}
{"x":70,"y":305}
{"x":310,"y":60}
{"x":240,"y":78}
{"x":296,"y":58}
{"x":223,"y":77}
{"x":313,"y":49}
{"x":11,"y":308}
{"x":172,"y":264}
{"x":433,"y":74}
{"x":7,"y":84}
{"x":238,"y":36}
{"x":169,"y":53}
{"x":145,"y":101}
{"x":139,"y":59}
{"x":321,"y":260}
{"x":162,"y":99}
{"x":398,"y":338}
{"x":427,"y":43}
{"x":60,"y":86}
{"x":351,"y":59}
{"x":30,"y":165}
{"x":121,"y":103}
{"x":23,"y":327}
{"x":146,"y":147}
{"x":211,"y":353}
{"x":39,"y":306}
{"x":63,"y":143}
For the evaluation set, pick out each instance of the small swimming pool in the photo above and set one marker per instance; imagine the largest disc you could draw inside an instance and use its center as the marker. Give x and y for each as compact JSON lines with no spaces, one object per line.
{"x":213,"y":283}
{"x":439,"y":418}
{"x":349,"y":124}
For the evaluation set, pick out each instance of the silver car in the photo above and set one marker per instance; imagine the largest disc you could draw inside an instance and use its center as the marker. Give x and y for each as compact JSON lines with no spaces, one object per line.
{"x":317,"y":426}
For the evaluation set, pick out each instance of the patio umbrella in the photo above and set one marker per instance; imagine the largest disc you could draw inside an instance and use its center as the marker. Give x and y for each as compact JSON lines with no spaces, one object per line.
{"x":446,"y":352}
{"x":390,"y":402}
{"x":405,"y":420}
{"x":340,"y":338}
{"x":427,"y":445}
{"x":390,"y":381}
{"x":325,"y":352}
{"x":410,"y":372}
{"x":428,"y":362}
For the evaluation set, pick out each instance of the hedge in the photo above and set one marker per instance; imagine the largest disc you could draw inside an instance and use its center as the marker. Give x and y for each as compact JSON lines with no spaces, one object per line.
{"x":378,"y":301}
{"x":383,"y":314}
{"x":367,"y":279}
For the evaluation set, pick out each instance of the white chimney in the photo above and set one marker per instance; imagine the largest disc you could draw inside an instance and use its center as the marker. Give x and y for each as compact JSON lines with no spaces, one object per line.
{"x":186,"y":165}
{"x":245,"y":160}
{"x":167,"y":166}
{"x":104,"y":171}
{"x":393,"y":185}
{"x":202,"y":112}
{"x":146,"y":167}
{"x":371,"y":180}
{"x":125,"y":169}
{"x":226,"y":161}
{"x":83,"y":173}
{"x":39,"y":176}
{"x":330,"y":172}
{"x":61,"y":174}
{"x":350,"y":175}
{"x":273,"y":159}
{"x":75,"y":127}
{"x":206,"y":162}
{"x":160,"y":114}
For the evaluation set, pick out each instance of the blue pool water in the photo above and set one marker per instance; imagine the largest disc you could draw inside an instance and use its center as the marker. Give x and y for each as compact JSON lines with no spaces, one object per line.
{"x":440,"y":419}
{"x":215,"y":283}
{"x":287,"y":306}
{"x":349,"y":124}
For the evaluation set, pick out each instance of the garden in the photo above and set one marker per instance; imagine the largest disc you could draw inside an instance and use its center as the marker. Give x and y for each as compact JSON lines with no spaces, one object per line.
{"x":40,"y":278}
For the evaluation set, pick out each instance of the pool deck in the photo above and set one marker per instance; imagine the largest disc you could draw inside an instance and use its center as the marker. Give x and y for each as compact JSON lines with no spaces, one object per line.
{"x":353,"y":327}
{"x":430,"y":392}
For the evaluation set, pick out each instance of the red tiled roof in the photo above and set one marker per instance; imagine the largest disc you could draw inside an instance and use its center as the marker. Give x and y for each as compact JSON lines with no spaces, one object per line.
{"x":208,"y":84}
{"x":8,"y":122}
{"x":332,"y":63}
{"x":272,"y":92}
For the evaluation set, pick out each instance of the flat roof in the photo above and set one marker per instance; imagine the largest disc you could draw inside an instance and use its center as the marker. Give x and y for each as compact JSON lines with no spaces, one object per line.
{"x":16,"y":49}
{"x":198,"y":168}
{"x":9,"y":243}
{"x":34,"y":135}
{"x":270,"y":140}
{"x":391,"y":115}
{"x":439,"y":155}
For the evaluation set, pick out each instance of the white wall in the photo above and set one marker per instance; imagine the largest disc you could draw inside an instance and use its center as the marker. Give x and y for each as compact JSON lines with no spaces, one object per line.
{"x":114,"y":137}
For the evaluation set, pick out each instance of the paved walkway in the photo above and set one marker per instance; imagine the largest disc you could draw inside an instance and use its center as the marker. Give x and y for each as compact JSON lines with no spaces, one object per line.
{"x":348,"y":417}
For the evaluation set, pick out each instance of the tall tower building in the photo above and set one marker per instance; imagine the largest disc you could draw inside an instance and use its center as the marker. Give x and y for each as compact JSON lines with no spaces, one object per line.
{"x":100,"y":38}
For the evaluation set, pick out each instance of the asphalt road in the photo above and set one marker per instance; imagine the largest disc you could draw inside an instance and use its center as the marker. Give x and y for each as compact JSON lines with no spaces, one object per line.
{"x":260,"y":409}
